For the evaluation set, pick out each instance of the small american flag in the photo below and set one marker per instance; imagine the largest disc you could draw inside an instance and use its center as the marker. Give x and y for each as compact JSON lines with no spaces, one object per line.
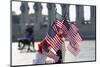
{"x":70,"y":33}
{"x":74,"y":38}
{"x":53,"y":39}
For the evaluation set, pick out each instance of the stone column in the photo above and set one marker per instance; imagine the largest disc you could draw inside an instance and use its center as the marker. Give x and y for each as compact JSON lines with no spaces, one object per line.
{"x":79,"y":14}
{"x":51,"y":12}
{"x":38,"y":16}
{"x":65,"y":9}
{"x":92,"y":14}
{"x":24,"y":18}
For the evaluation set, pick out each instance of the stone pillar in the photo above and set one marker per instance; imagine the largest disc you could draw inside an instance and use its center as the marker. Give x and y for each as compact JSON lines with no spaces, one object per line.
{"x":51,"y":12}
{"x":92,"y":14}
{"x":24,"y":18}
{"x":65,"y":9}
{"x":79,"y":14}
{"x":38,"y":16}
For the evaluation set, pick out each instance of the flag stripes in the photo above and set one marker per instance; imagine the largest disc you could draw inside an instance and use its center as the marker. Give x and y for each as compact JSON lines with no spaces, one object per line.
{"x":74,"y":39}
{"x":73,"y":49}
{"x":51,"y":55}
{"x":55,"y":42}
{"x":71,"y":34}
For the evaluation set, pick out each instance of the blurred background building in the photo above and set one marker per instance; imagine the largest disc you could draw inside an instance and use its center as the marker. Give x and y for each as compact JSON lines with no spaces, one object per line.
{"x":40,"y":22}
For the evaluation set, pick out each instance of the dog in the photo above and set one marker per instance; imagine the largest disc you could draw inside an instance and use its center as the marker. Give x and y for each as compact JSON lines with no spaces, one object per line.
{"x":25,"y":42}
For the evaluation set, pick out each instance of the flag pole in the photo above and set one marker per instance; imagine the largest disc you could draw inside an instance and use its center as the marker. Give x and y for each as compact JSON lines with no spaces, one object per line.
{"x":63,"y":49}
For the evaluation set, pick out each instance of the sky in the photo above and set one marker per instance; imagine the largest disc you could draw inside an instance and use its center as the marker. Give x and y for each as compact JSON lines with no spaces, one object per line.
{"x":72,"y":13}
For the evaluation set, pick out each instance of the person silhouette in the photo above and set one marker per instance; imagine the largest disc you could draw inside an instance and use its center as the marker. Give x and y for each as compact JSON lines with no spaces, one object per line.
{"x":27,"y":39}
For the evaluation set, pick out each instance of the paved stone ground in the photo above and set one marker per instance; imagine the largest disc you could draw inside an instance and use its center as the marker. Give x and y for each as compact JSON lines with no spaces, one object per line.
{"x":87,"y":53}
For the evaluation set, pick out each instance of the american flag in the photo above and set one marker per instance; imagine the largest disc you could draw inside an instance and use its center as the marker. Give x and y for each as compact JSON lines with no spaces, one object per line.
{"x":45,"y":50}
{"x":74,"y":38}
{"x":55,"y":42}
{"x":53,"y":39}
{"x":70,"y":32}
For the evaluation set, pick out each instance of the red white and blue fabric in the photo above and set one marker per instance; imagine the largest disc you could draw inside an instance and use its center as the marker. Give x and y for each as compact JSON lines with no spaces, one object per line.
{"x":50,"y":54}
{"x":43,"y":51}
{"x":72,"y":35}
{"x":53,"y":39}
